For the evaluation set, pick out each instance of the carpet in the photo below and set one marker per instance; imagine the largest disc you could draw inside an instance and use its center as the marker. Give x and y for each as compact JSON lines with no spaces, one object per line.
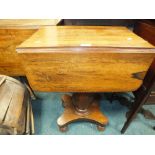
{"x":47,"y":108}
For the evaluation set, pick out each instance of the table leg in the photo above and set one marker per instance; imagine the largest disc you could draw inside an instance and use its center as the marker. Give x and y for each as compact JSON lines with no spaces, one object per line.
{"x":140,"y":101}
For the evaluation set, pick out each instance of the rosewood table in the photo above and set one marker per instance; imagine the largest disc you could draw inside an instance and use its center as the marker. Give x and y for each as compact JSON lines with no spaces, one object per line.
{"x":85,"y":60}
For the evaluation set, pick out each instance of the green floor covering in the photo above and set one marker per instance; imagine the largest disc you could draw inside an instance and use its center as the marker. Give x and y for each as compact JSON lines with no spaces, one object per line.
{"x":47,"y":108}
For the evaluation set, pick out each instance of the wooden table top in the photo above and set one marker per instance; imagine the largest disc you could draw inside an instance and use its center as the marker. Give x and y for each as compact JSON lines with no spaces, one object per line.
{"x":14,"y":23}
{"x":85,"y":59}
{"x":84,"y":36}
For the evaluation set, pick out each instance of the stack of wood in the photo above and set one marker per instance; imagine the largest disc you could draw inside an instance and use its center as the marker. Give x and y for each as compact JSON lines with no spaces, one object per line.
{"x":16,"y":115}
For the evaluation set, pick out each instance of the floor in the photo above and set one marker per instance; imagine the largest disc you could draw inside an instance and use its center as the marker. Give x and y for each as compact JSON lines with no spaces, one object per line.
{"x":47,"y":108}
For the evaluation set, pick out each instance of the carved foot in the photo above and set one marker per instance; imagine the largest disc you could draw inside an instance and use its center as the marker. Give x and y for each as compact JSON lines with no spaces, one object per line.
{"x":100,"y":128}
{"x":63,"y":128}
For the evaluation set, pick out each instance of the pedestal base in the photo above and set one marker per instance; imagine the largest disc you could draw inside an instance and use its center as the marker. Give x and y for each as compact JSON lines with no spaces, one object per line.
{"x":70,"y":115}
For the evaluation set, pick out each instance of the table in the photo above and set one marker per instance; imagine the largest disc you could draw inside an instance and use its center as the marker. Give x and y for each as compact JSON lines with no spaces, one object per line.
{"x":85,"y":60}
{"x":12,"y":33}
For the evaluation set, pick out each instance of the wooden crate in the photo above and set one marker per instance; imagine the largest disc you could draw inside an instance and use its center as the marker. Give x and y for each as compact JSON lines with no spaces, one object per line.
{"x":15,"y":107}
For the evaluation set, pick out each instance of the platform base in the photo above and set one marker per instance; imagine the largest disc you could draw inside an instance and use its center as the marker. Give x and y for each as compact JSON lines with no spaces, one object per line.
{"x":70,"y":115}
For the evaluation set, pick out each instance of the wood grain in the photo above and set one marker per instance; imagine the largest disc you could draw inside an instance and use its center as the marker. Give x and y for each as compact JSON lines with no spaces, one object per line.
{"x":56,"y":61}
{"x":92,"y":113}
{"x":79,"y":36}
{"x":13,"y":33}
{"x":10,"y":63}
{"x":27,"y":23}
{"x":78,"y":72}
{"x":13,"y":101}
{"x":146,"y":30}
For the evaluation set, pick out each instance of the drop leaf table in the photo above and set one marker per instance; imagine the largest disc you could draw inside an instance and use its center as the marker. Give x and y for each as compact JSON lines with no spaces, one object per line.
{"x":85,"y":60}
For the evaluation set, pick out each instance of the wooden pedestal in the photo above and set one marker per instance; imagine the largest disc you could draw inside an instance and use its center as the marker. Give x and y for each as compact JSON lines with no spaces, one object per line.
{"x":81,"y":107}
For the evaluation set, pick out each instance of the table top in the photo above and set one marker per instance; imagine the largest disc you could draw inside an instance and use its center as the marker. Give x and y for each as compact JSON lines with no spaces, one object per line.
{"x":16,"y":23}
{"x":85,"y":36}
{"x":85,"y":59}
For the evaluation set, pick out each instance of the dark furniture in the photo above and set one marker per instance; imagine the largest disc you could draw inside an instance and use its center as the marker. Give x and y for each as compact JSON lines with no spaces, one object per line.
{"x":146,"y":30}
{"x":142,"y":95}
{"x":146,"y":93}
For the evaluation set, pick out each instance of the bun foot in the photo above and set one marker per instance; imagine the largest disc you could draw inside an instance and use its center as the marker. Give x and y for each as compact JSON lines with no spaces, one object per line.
{"x":100,"y":128}
{"x":63,"y":128}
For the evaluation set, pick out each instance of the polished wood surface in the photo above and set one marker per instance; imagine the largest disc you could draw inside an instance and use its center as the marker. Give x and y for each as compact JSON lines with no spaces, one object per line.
{"x":10,"y":63}
{"x":27,"y":23}
{"x":78,"y":72}
{"x":146,"y":30}
{"x":13,"y":33}
{"x":79,"y":36}
{"x":85,"y":59}
{"x":81,"y":107}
